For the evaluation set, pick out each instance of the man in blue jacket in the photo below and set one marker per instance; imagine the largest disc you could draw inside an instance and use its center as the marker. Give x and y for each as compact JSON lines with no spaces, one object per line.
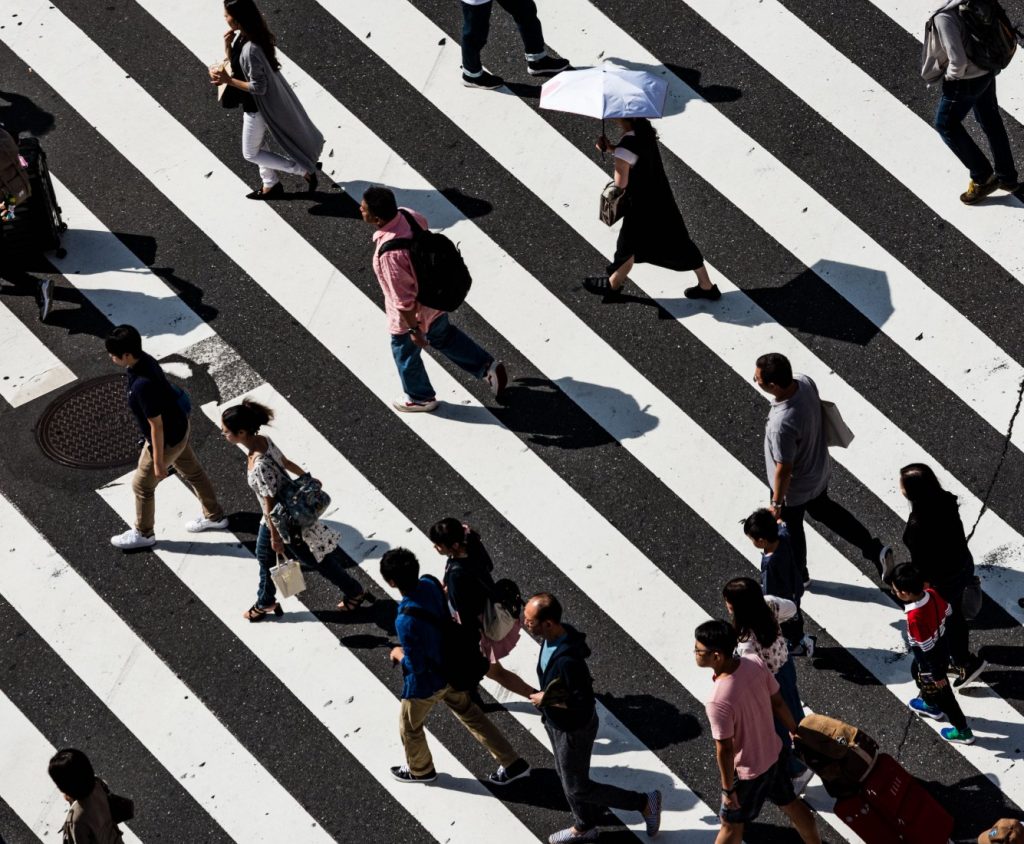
{"x":566,"y":702}
{"x":419,"y":654}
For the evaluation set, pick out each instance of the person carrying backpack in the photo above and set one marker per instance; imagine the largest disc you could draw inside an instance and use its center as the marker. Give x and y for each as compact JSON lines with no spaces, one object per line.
{"x":422,"y":613}
{"x":413,"y":322}
{"x":966,"y":44}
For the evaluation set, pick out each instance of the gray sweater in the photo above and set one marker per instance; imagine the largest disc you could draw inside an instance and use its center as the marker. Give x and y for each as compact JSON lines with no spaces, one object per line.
{"x":945,"y":56}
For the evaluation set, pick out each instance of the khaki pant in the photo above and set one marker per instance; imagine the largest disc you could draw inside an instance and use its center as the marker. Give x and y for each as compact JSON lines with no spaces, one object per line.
{"x":184,"y":460}
{"x":414,"y":712}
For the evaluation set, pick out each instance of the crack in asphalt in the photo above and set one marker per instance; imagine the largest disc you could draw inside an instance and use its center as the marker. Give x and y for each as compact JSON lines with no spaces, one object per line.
{"x":906,"y":733}
{"x":1002,"y":459}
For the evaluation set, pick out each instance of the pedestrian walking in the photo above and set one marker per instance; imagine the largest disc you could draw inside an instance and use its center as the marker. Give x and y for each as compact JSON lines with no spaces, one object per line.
{"x":315,"y":546}
{"x":468,"y":584}
{"x":750,"y":755}
{"x":935,"y":538}
{"x":476,"y":26}
{"x":420,"y":654}
{"x":927,"y":616}
{"x":757,"y":620}
{"x":566,"y":702}
{"x":159,"y":410}
{"x":780,"y":574}
{"x":89,"y":819}
{"x":798,"y":465}
{"x":412,"y":325}
{"x":268,"y":102}
{"x":967,"y":87}
{"x":653,"y":230}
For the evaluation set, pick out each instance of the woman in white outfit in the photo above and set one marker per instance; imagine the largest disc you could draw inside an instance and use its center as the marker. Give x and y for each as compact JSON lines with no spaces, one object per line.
{"x":268,"y":102}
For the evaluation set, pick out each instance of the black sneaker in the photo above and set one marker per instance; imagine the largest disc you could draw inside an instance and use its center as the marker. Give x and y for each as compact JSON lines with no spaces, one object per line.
{"x":968,"y":673}
{"x":485,"y":80}
{"x":403,"y":774}
{"x":599,"y":285}
{"x":698,"y":292}
{"x":503,"y":776}
{"x":547,"y":66}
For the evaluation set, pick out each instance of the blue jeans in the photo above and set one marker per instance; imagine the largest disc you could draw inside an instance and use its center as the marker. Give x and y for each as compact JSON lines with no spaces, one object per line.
{"x":476,"y":26}
{"x":455,"y":345}
{"x":786,"y":678}
{"x":332,"y":567}
{"x":959,"y":98}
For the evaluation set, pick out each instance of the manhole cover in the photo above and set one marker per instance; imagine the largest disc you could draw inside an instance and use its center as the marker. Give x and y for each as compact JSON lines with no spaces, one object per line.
{"x":91,"y":426}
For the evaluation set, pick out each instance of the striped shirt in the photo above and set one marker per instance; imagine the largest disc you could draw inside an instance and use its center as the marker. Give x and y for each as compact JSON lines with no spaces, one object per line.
{"x":926,"y":620}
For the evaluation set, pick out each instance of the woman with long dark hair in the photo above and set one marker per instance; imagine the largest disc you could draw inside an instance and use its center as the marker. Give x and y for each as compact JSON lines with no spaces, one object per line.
{"x":756,"y":617}
{"x":935,"y":538}
{"x":653,"y":230}
{"x":317,"y":546}
{"x":468,"y":583}
{"x":268,"y":102}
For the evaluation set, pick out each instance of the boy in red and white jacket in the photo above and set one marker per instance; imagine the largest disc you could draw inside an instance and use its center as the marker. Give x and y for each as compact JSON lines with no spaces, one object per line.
{"x":926,"y":623}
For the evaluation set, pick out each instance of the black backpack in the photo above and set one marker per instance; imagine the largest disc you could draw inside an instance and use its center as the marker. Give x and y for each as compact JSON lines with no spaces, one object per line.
{"x":441,"y":273}
{"x":462,"y":664}
{"x":990,"y":39}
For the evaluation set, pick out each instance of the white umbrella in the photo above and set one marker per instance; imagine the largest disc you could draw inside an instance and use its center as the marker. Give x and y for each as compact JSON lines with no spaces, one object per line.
{"x":605,"y":91}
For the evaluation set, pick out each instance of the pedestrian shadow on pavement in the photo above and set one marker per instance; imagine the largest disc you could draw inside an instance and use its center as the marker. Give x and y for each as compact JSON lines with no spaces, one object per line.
{"x":656,"y":722}
{"x":443,"y":208}
{"x":19,"y":114}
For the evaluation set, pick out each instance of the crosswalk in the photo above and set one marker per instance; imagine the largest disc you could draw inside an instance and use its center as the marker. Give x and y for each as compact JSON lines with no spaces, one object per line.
{"x":616,"y":473}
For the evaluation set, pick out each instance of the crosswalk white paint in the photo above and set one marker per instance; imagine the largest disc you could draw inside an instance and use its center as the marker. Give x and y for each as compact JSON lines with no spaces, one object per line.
{"x":488,"y":456}
{"x":25,"y":786}
{"x":140,"y":690}
{"x":28,"y":369}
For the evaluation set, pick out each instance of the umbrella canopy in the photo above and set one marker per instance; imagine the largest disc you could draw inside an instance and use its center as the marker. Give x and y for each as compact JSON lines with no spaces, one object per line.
{"x":605,"y":91}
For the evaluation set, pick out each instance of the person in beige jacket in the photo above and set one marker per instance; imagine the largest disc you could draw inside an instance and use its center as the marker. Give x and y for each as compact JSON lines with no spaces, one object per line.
{"x":88,"y":820}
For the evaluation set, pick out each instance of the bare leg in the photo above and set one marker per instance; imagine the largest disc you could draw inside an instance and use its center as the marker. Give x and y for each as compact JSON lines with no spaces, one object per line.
{"x":618,"y":278}
{"x":703,"y":279}
{"x":803,"y":820}
{"x":513,"y":682}
{"x":730,"y":833}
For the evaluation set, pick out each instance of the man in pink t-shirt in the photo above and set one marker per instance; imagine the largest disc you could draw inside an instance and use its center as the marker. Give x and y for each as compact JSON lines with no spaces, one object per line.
{"x":747,"y":749}
{"x":413,"y":326}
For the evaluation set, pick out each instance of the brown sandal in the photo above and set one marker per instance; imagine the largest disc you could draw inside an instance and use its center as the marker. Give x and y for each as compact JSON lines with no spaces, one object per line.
{"x":258,"y":613}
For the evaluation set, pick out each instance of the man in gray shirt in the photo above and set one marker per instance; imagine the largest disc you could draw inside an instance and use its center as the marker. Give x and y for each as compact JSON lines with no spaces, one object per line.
{"x":967,"y":87}
{"x":798,"y":466}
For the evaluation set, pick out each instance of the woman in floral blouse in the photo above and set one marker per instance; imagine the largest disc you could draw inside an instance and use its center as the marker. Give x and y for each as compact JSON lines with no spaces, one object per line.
{"x":315,"y":546}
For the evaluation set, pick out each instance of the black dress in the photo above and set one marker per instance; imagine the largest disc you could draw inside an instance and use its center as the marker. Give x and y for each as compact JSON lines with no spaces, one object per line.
{"x":653,"y":230}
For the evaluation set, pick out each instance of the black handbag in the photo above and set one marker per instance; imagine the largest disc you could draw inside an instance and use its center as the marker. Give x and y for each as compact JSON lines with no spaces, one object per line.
{"x":122,"y":809}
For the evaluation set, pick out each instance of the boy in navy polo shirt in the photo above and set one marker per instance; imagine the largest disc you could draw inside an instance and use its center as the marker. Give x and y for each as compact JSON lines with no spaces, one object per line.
{"x":164,"y":425}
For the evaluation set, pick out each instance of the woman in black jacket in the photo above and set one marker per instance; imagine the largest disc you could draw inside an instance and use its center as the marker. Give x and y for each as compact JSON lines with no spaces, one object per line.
{"x":468,"y":583}
{"x":937,"y":544}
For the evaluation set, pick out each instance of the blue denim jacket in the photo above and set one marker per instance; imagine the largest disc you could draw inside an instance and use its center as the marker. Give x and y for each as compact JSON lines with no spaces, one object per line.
{"x":421,"y":641}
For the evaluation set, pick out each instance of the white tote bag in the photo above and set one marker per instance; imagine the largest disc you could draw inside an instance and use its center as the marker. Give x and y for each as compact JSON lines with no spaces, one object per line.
{"x":837,"y":432}
{"x":498,"y":621}
{"x":288,"y":578}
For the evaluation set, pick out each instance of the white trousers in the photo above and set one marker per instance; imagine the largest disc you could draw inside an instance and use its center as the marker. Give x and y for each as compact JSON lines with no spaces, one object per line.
{"x":254,"y":132}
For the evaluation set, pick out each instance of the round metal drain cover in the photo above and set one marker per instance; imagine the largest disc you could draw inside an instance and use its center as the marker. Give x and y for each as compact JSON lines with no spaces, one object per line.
{"x":91,"y":426}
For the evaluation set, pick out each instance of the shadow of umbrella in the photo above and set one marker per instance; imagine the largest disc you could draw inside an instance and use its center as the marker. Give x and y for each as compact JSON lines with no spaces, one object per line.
{"x":19,"y":114}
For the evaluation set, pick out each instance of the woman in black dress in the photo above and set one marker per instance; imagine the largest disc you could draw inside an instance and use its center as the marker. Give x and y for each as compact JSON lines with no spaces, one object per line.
{"x":938,"y":548}
{"x":653,"y":231}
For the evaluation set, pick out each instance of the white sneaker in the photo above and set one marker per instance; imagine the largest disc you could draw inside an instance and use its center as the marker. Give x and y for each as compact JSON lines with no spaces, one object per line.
{"x":132,"y":539}
{"x":800,"y":782}
{"x":409,"y":406}
{"x":888,"y":563}
{"x":202,"y":523}
{"x":497,"y":377}
{"x":809,"y":642}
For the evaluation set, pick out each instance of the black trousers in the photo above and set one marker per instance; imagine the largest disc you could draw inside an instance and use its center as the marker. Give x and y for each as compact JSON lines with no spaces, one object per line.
{"x":956,"y":625}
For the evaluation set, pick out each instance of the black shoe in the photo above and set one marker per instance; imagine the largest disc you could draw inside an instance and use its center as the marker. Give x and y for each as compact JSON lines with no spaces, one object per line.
{"x":698,"y":292}
{"x":403,"y":774}
{"x":45,"y":298}
{"x":274,"y":193}
{"x":599,"y":285}
{"x":485,"y":80}
{"x":503,"y":776}
{"x":968,"y":673}
{"x":311,"y":182}
{"x":547,"y":66}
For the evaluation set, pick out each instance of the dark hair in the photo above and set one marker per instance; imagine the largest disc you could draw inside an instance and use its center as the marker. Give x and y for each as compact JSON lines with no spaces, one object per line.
{"x":751,"y":615}
{"x":401,"y":566}
{"x":919,"y":482}
{"x":381,"y":202}
{"x":71,"y":771}
{"x":908,"y":578}
{"x":549,"y":608}
{"x":124,"y":340}
{"x":775,"y":369}
{"x":716,"y":635}
{"x":448,"y":532}
{"x":761,"y":524}
{"x":248,"y":416}
{"x":643,"y":128}
{"x":254,"y":27}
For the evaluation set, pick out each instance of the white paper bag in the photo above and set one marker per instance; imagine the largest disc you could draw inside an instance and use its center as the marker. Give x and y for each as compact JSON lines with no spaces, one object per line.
{"x":288,"y":578}
{"x":837,"y":432}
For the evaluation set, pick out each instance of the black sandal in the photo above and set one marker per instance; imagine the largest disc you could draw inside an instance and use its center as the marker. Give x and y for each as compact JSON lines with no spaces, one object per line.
{"x":274,"y":193}
{"x":258,"y":613}
{"x":311,"y":182}
{"x":352,"y":604}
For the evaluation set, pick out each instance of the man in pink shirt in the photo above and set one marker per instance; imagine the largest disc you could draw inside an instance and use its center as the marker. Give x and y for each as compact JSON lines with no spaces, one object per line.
{"x":412,"y":326}
{"x":748,"y":751}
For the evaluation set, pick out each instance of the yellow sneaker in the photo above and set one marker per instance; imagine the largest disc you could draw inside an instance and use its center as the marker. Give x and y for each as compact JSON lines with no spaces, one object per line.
{"x":977,"y":191}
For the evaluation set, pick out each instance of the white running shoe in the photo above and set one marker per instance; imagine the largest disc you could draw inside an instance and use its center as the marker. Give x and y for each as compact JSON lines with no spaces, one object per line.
{"x":132,"y":539}
{"x":198,"y":525}
{"x":409,"y":406}
{"x":497,"y":377}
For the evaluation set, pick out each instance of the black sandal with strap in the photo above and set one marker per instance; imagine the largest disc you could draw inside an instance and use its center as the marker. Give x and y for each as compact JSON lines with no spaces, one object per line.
{"x":352,"y":604}
{"x":258,"y":613}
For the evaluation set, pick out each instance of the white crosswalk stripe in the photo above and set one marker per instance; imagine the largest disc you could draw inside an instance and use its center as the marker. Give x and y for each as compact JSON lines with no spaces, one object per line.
{"x":557,"y":517}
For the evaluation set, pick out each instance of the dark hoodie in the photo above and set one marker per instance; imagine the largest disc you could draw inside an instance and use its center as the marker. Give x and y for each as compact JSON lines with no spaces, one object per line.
{"x":568,"y":663}
{"x":935,"y":539}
